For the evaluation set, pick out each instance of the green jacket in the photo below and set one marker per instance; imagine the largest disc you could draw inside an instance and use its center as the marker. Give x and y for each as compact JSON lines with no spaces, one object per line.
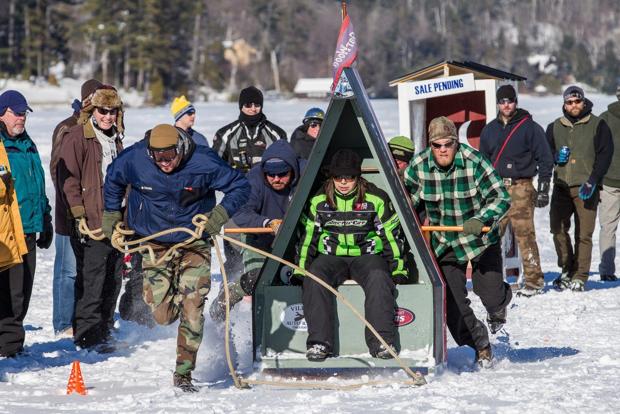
{"x":352,"y":229}
{"x":29,"y":180}
{"x":470,"y":188}
{"x":612,"y":117}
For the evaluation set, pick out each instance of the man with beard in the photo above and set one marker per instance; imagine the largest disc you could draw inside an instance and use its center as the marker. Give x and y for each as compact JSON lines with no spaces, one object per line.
{"x":583,"y":148}
{"x":517,"y":148}
{"x":28,"y":180}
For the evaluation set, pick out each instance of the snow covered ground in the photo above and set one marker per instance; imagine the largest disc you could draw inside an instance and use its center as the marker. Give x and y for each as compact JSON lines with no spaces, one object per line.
{"x":556,"y":354}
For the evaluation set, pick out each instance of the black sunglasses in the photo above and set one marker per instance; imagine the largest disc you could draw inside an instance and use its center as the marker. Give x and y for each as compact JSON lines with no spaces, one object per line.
{"x":573,"y":102}
{"x":314,"y":124}
{"x":345,"y":177}
{"x":279,"y":175}
{"x":104,"y":111}
{"x":250,"y":105}
{"x":505,"y":101}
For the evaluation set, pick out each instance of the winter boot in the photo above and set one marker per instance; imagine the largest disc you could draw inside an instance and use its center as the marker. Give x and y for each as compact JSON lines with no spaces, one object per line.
{"x":609,"y":278}
{"x":496,"y":320}
{"x":577,"y":285}
{"x":317,"y":353}
{"x":184,"y":382}
{"x":217,"y":310}
{"x":562,"y":282}
{"x":484,"y":357}
{"x":383,"y":353}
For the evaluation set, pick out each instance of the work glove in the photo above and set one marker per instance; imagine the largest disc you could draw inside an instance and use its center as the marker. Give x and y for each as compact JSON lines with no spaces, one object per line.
{"x":274,"y":225}
{"x":473,"y":226}
{"x":400,"y":277}
{"x":108,"y":222}
{"x":587,"y":189}
{"x":542,"y":196}
{"x":216,"y":219}
{"x":47,"y":235}
{"x":562,"y":156}
{"x":248,"y":280}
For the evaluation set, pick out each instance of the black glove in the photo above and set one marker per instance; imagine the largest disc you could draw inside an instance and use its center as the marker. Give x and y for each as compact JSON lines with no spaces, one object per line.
{"x":108,"y":221}
{"x":47,"y":235}
{"x":473,"y":226}
{"x":296,"y":279}
{"x":542,"y":197}
{"x":248,"y":280}
{"x":7,"y":178}
{"x":216,"y":219}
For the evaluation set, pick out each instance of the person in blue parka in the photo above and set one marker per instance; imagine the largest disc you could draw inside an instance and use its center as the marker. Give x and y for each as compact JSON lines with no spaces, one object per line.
{"x":172,"y":180}
{"x":273,"y":182}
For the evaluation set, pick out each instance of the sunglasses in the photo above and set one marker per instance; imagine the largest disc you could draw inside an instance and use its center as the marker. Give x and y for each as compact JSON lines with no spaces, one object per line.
{"x":505,"y":101}
{"x":164,"y":155}
{"x":18,"y":114}
{"x":251,"y":105}
{"x":345,"y":177}
{"x":447,"y":145}
{"x":104,"y":111}
{"x":314,"y":124}
{"x":279,"y":175}
{"x":573,"y":102}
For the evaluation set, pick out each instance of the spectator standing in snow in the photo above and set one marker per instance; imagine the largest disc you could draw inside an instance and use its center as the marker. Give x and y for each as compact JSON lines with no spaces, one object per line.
{"x":350,"y":231}
{"x":167,"y":172}
{"x":242,"y":144}
{"x":28,"y":179}
{"x":304,"y":136}
{"x":63,"y":290}
{"x":273,"y":182}
{"x":582,"y":148}
{"x":86,"y":152}
{"x":518,"y":149}
{"x":609,"y":209}
{"x":184,"y":115}
{"x":455,"y":185}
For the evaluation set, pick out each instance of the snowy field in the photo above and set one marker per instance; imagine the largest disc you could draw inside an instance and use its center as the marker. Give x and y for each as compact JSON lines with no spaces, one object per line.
{"x":556,"y":354}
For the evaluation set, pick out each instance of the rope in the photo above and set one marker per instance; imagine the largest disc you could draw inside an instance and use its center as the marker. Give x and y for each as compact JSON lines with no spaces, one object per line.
{"x":416,"y":378}
{"x":119,"y":242}
{"x":93,"y":234}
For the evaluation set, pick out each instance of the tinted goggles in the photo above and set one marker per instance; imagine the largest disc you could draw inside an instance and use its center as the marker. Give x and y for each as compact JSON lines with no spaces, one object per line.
{"x":164,"y":155}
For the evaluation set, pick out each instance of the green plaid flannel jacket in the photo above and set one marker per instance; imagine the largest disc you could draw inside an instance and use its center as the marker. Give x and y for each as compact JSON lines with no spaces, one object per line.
{"x":469,"y":188}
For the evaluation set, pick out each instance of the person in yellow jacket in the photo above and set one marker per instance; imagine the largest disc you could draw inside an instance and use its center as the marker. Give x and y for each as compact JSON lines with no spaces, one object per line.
{"x":12,"y":241}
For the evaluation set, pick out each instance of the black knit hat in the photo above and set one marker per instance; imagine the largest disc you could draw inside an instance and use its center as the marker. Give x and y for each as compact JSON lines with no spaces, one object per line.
{"x":249,"y":95}
{"x":573,"y":91}
{"x":345,"y":162}
{"x":506,"y":92}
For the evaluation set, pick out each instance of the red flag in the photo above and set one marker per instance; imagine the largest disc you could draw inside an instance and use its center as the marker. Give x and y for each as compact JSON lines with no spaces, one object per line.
{"x":346,"y":50}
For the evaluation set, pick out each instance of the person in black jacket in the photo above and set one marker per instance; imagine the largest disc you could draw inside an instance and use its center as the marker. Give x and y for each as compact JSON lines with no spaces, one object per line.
{"x":517,"y":148}
{"x":304,"y":137}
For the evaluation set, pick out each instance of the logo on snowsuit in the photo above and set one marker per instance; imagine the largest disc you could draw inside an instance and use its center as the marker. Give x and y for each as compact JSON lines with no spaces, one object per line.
{"x":292,"y":317}
{"x":403,"y":317}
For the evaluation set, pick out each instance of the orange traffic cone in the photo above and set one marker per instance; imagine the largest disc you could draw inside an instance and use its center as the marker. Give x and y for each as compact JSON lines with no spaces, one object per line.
{"x":76,"y":382}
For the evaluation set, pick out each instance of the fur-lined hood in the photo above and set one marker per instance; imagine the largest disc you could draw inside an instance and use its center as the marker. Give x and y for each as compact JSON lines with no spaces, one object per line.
{"x":103,"y":98}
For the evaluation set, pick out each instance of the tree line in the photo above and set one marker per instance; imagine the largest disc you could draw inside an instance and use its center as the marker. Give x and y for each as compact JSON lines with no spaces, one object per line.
{"x":163,"y":48}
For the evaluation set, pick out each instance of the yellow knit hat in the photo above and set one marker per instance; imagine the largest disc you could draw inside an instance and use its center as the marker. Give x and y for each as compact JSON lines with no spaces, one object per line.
{"x":180,"y":106}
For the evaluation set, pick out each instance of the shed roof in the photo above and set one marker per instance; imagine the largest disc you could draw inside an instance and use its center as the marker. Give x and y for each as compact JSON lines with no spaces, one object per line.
{"x":453,"y":67}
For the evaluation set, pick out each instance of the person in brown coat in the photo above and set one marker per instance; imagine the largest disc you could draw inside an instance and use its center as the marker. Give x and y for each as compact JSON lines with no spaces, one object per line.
{"x":63,"y":290}
{"x":87,"y":150}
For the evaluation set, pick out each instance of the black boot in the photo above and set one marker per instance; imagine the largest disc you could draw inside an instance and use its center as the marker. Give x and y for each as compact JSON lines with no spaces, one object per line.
{"x":184,"y":382}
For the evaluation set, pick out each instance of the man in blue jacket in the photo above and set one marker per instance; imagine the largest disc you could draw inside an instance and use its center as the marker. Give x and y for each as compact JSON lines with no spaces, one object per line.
{"x":34,"y":208}
{"x":273,"y":182}
{"x":518,"y":149}
{"x":172,"y":180}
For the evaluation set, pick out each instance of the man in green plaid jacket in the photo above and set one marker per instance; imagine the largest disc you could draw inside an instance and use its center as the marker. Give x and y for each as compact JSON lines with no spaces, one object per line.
{"x":454,"y":185}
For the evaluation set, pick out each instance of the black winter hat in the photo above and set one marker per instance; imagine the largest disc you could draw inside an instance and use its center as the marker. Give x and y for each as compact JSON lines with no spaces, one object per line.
{"x":506,"y":92}
{"x":249,"y":95}
{"x":345,"y":162}
{"x":573,"y":92}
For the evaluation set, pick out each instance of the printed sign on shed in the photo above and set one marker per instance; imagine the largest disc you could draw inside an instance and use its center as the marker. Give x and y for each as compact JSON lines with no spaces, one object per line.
{"x":293,"y":318}
{"x":440,"y":86}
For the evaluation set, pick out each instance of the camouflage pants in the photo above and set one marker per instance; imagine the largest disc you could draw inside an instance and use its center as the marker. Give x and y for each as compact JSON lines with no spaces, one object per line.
{"x":177,"y":290}
{"x":565,"y":202}
{"x":521,"y":216}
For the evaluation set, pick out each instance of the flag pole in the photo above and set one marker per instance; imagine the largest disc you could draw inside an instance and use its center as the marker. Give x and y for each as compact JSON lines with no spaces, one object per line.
{"x":343,"y":4}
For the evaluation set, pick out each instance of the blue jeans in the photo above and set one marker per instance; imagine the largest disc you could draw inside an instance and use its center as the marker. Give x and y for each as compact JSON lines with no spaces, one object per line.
{"x":63,"y":284}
